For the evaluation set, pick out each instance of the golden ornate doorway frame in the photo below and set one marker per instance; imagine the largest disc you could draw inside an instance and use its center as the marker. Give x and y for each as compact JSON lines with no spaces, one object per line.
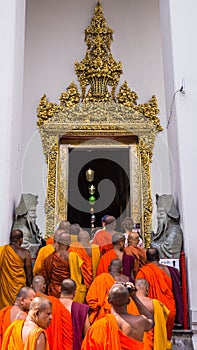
{"x":99,"y":124}
{"x":99,"y":115}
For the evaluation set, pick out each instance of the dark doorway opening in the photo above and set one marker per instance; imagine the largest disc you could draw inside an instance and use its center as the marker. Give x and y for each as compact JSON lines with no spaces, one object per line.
{"x":111,"y":182}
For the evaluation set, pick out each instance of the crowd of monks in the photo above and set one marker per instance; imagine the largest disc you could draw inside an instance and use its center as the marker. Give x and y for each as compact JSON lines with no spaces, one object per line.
{"x":105,"y":293}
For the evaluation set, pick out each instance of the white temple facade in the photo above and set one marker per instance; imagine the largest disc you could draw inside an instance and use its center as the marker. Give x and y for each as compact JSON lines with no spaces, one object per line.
{"x":155,"y":41}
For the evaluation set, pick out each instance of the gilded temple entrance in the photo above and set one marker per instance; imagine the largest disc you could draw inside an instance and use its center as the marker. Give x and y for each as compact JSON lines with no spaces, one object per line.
{"x":111,"y":168}
{"x":98,"y":119}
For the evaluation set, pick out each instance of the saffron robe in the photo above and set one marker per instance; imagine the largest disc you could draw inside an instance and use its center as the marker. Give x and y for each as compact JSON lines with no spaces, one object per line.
{"x":12,"y":275}
{"x":60,"y":330}
{"x":4,"y":321}
{"x":140,"y":257}
{"x":12,"y":339}
{"x":90,"y":264}
{"x":160,"y":287}
{"x":97,"y":296}
{"x":42,"y":255}
{"x":106,"y":259}
{"x":105,"y":334}
{"x":104,"y":240}
{"x":54,"y":270}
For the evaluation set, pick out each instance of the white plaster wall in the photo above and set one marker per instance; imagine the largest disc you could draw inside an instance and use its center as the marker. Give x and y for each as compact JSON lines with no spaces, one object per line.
{"x":12,"y":28}
{"x":55,"y":39}
{"x":185,"y":58}
{"x":179,"y":29}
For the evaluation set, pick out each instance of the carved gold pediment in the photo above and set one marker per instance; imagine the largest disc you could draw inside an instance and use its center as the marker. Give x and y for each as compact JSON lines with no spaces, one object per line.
{"x":97,"y":111}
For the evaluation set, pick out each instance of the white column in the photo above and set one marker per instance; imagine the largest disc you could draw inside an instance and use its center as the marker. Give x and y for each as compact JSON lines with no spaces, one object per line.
{"x":179,"y":28}
{"x":12,"y":29}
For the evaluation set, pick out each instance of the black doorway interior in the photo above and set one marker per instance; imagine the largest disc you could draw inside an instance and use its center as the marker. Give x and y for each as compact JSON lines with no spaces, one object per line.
{"x":111,"y":181}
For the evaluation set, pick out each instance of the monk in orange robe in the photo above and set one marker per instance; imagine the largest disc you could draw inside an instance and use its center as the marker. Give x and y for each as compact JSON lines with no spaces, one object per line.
{"x":99,"y":289}
{"x":156,"y":338}
{"x":160,"y":285}
{"x":119,"y":330}
{"x":89,"y":254}
{"x":117,"y":251}
{"x":138,"y":252}
{"x":15,"y":269}
{"x":30,"y":334}
{"x":18,"y":311}
{"x":61,"y":319}
{"x":103,"y":238}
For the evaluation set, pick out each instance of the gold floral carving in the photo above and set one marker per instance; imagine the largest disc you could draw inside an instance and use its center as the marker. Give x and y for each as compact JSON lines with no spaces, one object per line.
{"x":98,"y":112}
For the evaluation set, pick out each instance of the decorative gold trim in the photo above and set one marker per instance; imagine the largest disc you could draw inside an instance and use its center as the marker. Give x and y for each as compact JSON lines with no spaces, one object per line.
{"x":100,"y":115}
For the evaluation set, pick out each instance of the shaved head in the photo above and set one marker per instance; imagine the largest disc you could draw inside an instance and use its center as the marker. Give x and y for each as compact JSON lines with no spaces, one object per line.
{"x":39,"y":284}
{"x":25,"y":292}
{"x":15,"y":236}
{"x":68,"y":286}
{"x":40,"y":303}
{"x":118,"y":295}
{"x":64,"y":225}
{"x":115,"y":266}
{"x":58,"y":233}
{"x":141,"y":283}
{"x":152,"y":254}
{"x":83,"y":236}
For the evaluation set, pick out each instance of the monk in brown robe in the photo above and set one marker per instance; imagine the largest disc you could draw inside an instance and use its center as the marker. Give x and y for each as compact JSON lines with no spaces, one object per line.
{"x":30,"y":334}
{"x":45,"y":251}
{"x":15,"y":269}
{"x":138,"y":252}
{"x":55,"y":267}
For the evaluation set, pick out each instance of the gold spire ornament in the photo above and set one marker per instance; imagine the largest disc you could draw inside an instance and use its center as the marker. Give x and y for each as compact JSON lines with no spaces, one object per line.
{"x":98,"y":69}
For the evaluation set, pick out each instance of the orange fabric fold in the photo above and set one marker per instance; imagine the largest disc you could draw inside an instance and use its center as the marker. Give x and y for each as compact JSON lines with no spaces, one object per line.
{"x":97,"y":296}
{"x":4,"y":321}
{"x":105,"y":334}
{"x":104,"y":240}
{"x":42,"y":255}
{"x":12,"y":338}
{"x":140,"y":257}
{"x":160,"y":288}
{"x":86,"y":267}
{"x":32,"y":339}
{"x":105,"y":261}
{"x":60,"y":331}
{"x":12,"y":276}
{"x":49,"y":240}
{"x":55,"y":269}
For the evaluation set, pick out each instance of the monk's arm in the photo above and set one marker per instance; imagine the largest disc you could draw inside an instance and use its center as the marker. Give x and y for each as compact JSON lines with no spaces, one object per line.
{"x":86,"y":326}
{"x":28,"y":268}
{"x":41,"y":342}
{"x":144,"y":311}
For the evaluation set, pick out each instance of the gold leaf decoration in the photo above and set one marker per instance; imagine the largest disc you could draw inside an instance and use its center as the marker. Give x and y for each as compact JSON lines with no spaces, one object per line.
{"x":46,"y":110}
{"x":70,"y":97}
{"x":98,"y":69}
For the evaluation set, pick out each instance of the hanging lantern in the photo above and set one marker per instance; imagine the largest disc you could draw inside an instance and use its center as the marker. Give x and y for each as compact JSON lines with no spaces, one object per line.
{"x":92,"y":200}
{"x":89,"y":175}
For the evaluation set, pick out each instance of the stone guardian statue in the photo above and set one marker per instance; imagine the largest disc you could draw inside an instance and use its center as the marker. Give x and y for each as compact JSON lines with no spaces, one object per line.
{"x":26,"y":222}
{"x":169,"y":237}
